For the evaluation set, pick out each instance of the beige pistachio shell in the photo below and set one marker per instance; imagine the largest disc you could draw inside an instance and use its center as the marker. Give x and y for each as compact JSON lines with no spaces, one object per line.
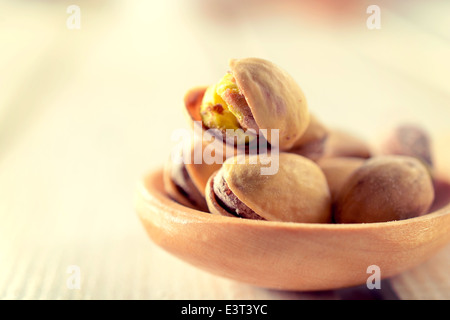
{"x":338,"y":170}
{"x":298,"y":192}
{"x":275,"y":99}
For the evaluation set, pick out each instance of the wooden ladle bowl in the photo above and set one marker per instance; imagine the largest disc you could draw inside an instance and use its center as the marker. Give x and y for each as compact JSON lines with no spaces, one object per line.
{"x":291,"y":256}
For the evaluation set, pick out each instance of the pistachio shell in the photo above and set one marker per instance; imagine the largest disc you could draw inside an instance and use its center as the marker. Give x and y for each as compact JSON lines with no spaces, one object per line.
{"x":200,"y":173}
{"x":316,"y":131}
{"x":275,"y":99}
{"x":312,"y":143}
{"x":211,"y":199}
{"x":192,"y":105}
{"x":441,"y":184}
{"x":341,"y":143}
{"x":187,"y":195}
{"x":298,"y":192}
{"x":172,"y":190}
{"x":338,"y":170}
{"x":385,"y":188}
{"x":409,"y":140}
{"x":194,"y":178}
{"x":192,"y":102}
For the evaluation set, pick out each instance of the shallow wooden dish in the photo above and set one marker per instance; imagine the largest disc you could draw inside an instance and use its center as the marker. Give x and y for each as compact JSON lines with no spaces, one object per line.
{"x":290,"y":256}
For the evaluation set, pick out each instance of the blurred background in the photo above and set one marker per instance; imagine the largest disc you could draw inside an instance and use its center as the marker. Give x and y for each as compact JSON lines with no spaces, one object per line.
{"x":85,"y":112}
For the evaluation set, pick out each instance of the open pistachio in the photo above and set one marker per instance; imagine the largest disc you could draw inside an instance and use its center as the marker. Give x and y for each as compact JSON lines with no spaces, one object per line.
{"x":184,"y":180}
{"x":298,"y":192}
{"x":385,"y":188}
{"x":409,"y":140}
{"x":255,"y":94}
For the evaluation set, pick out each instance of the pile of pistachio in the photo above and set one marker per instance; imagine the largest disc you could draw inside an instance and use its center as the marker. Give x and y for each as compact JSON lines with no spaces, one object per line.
{"x":322,"y":176}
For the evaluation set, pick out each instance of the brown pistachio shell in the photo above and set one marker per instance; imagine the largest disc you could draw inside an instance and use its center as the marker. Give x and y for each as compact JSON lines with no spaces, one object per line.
{"x":338,"y":170}
{"x":298,"y":192}
{"x":409,"y":140}
{"x":385,"y":188}
{"x":274,"y":98}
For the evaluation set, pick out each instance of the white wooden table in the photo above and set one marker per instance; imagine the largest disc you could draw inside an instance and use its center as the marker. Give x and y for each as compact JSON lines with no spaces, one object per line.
{"x":85,"y":113}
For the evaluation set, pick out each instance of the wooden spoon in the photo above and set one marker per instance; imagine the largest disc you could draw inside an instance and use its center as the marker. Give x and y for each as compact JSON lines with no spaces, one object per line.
{"x":290,"y":256}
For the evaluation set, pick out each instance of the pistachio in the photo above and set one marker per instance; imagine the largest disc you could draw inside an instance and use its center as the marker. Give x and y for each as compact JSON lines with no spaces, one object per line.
{"x":385,"y":188}
{"x":298,"y":192}
{"x":409,"y":140}
{"x":312,"y":143}
{"x":185,"y":181}
{"x":256,"y":94}
{"x":341,"y":143}
{"x":441,"y":192}
{"x":338,"y":170}
{"x":215,"y":112}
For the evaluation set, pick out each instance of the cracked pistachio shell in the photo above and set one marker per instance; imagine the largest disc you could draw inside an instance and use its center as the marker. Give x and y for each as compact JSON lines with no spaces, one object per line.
{"x":298,"y":192}
{"x":275,"y":99}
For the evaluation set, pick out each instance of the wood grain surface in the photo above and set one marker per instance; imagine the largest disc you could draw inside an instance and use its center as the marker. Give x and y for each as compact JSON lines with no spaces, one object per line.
{"x":85,"y":113}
